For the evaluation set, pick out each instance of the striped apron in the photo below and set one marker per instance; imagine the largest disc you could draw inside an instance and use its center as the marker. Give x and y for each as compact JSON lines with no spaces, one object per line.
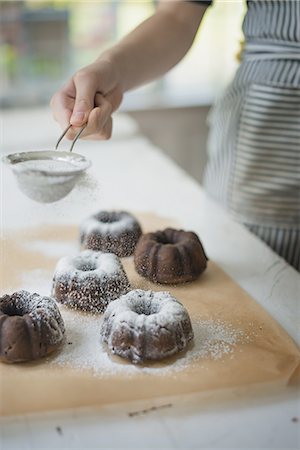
{"x":254,"y":141}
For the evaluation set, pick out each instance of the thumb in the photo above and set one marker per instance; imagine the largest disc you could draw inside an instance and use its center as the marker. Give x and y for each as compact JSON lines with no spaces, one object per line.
{"x":84,"y":100}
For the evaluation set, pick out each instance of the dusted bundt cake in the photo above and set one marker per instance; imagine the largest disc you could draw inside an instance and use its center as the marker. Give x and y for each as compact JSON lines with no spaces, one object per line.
{"x":146,"y":325}
{"x":31,"y":326}
{"x":111,"y":231}
{"x":89,"y":281}
{"x":170,"y":256}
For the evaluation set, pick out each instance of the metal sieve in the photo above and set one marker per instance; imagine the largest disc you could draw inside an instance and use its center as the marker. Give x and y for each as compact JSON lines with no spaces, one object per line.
{"x":48,"y":175}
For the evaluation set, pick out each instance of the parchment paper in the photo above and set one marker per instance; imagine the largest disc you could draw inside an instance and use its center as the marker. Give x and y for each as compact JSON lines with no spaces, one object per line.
{"x":267,"y":356}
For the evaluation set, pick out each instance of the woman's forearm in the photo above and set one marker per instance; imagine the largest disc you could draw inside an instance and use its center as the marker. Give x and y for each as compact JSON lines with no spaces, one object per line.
{"x":156,"y":45}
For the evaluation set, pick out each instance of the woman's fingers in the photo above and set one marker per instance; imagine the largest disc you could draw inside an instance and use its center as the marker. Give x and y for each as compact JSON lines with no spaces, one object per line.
{"x":114,"y":97}
{"x":62,"y":104}
{"x":105,"y":133}
{"x":85,"y":86}
{"x":73,"y":104}
{"x":99,"y":123}
{"x":89,"y":97}
{"x":99,"y":116}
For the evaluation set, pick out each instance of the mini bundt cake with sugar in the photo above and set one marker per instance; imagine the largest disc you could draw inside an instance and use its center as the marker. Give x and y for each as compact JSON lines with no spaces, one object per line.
{"x":170,"y":256}
{"x":111,"y":231}
{"x":146,"y":325}
{"x":31,"y":327}
{"x":89,"y":281}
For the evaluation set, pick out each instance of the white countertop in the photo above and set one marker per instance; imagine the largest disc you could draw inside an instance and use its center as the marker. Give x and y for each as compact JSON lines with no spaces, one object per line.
{"x":134,"y":175}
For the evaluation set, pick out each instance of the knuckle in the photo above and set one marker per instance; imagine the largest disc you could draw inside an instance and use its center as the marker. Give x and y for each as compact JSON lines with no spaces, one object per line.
{"x":97,"y":119}
{"x":54,"y":98}
{"x":80,"y":75}
{"x":107,"y":133}
{"x":108,"y":107}
{"x":85,"y":75}
{"x":97,"y":114}
{"x":70,"y":135}
{"x":83,"y":102}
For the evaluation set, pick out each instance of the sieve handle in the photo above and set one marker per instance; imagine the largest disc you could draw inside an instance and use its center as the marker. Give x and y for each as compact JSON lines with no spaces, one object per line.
{"x":75,"y":139}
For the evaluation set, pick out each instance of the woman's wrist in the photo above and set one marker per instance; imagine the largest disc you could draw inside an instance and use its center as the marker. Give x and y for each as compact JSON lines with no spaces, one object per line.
{"x":109,"y":64}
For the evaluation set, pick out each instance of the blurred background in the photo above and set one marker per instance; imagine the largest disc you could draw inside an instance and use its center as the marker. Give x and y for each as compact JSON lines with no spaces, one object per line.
{"x":43,"y":42}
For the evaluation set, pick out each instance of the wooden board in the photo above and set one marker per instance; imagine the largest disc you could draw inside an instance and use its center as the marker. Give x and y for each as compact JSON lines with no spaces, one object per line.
{"x":265,"y":355}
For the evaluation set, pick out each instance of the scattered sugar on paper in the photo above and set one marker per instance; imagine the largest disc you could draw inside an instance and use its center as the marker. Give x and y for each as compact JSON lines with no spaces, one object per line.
{"x":84,"y":349}
{"x":52,"y":248}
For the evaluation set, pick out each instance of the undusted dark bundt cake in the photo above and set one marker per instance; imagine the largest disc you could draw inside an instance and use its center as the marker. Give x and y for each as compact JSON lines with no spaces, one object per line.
{"x":170,"y":256}
{"x":31,"y":326}
{"x":111,"y":231}
{"x":89,"y":281}
{"x":146,"y":325}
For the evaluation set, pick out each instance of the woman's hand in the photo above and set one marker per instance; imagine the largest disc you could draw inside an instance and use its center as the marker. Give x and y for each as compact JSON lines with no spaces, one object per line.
{"x":90,"y":96}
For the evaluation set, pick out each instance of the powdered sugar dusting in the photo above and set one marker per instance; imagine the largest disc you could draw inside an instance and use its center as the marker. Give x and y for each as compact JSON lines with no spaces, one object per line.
{"x":41,"y":309}
{"x":216,"y":338}
{"x":108,"y":222}
{"x":101,"y":264}
{"x":90,"y":280}
{"x":50,"y":247}
{"x":84,"y":349}
{"x":87,"y":188}
{"x":146,"y":325}
{"x":111,"y":231}
{"x":36,"y":280}
{"x":52,"y":166}
{"x":47,"y":177}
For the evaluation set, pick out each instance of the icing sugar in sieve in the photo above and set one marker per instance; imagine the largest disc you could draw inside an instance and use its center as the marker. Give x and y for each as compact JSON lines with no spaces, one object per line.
{"x":47,"y":176}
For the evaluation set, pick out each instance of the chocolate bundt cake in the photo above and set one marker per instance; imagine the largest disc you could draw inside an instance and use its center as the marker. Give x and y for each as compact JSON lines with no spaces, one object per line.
{"x":89,"y":281}
{"x":31,"y":326}
{"x":146,"y":325}
{"x":170,"y":256}
{"x":111,"y":231}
